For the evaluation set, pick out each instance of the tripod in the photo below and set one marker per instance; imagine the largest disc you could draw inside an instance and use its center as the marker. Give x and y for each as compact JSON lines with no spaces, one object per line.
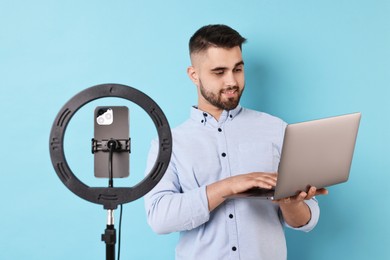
{"x":109,"y":236}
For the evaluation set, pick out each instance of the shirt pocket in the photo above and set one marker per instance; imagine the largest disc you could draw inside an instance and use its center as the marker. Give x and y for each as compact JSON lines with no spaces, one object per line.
{"x":258,"y":157}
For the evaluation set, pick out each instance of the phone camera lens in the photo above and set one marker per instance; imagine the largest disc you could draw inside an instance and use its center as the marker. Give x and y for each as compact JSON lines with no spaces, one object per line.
{"x":100,"y":120}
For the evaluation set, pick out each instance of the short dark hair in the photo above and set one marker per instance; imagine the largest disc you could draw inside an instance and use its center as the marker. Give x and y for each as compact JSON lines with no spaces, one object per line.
{"x":216,"y":35}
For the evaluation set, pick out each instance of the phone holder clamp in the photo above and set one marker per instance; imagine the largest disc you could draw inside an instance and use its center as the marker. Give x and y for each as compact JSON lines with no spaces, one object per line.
{"x":119,"y":145}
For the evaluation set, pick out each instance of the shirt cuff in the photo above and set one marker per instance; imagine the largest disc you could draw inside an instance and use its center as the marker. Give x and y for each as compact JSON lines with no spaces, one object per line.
{"x":315,"y":215}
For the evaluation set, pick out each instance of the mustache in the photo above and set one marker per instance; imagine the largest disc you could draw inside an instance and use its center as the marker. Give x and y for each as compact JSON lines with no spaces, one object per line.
{"x":236,"y":88}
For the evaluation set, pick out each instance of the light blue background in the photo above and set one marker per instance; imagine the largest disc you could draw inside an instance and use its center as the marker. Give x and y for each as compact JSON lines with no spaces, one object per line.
{"x":304,"y":60}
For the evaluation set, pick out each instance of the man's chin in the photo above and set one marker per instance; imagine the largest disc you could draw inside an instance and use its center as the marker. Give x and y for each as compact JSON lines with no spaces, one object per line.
{"x":230,"y":105}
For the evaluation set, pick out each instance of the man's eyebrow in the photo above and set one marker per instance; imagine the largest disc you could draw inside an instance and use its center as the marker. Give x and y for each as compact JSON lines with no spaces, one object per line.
{"x":240,"y":63}
{"x":219,"y":68}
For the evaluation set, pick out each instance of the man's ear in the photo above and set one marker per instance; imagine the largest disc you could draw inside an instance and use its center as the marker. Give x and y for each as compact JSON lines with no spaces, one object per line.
{"x":193,"y":75}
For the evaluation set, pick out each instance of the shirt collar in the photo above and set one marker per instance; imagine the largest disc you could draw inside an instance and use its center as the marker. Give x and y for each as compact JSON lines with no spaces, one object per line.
{"x":205,"y":118}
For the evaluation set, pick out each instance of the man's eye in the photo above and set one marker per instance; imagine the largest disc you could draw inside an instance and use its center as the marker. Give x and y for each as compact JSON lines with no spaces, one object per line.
{"x":219,"y":72}
{"x":238,"y":70}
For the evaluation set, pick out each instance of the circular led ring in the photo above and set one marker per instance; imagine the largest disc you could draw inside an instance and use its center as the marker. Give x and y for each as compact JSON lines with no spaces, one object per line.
{"x":110,"y":198}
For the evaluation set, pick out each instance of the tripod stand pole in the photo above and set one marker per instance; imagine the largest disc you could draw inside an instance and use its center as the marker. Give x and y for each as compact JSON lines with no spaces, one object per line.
{"x":109,"y":236}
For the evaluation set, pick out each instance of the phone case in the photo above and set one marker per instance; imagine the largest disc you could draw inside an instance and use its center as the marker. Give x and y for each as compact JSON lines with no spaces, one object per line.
{"x":111,"y":122}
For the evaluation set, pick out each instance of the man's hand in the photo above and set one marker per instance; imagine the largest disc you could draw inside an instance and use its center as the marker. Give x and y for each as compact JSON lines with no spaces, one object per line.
{"x":303,"y":196}
{"x":295,"y":211}
{"x":244,"y":182}
{"x":236,"y":184}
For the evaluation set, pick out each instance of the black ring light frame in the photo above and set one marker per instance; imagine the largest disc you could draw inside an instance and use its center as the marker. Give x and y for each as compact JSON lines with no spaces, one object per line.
{"x":110,"y":197}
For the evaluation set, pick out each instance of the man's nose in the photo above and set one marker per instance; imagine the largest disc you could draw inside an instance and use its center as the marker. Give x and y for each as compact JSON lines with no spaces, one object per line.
{"x":230,"y":80}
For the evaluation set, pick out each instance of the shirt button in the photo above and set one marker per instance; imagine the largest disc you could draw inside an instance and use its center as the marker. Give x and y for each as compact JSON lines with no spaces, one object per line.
{"x":202,"y":121}
{"x":234,"y":248}
{"x":223,"y":154}
{"x":231,"y":116}
{"x":204,"y":114}
{"x":230,"y":215}
{"x":219,"y":130}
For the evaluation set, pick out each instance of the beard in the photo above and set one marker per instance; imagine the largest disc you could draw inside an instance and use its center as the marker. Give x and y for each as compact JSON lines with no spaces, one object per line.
{"x":215,"y":99}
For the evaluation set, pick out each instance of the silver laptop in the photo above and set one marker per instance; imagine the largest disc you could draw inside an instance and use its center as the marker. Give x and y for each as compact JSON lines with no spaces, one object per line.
{"x":315,"y":153}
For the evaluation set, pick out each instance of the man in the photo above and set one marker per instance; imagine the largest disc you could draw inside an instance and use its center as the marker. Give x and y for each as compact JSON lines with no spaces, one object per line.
{"x":224,"y":149}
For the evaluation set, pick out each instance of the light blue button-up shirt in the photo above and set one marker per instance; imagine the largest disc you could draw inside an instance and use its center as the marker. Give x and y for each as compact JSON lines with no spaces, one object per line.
{"x":204,"y":151}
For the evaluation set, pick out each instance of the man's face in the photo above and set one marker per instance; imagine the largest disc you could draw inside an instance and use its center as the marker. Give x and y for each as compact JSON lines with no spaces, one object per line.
{"x":219,"y":76}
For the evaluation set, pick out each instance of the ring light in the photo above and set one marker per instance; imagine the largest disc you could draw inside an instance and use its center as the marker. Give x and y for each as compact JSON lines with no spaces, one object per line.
{"x":110,"y":197}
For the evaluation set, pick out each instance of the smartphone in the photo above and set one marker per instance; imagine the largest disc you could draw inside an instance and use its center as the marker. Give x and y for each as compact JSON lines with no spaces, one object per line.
{"x":111,"y":123}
